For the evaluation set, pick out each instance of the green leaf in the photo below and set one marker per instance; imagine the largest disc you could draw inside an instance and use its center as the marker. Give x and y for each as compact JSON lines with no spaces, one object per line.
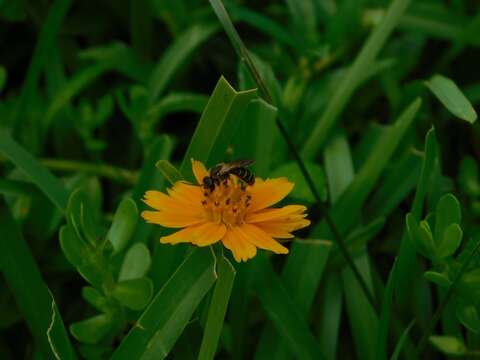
{"x":451,"y":239}
{"x":420,"y":239}
{"x":440,"y":279}
{"x":217,"y":125}
{"x":468,"y":315}
{"x":136,"y":263}
{"x":31,"y":293}
{"x":452,"y":98}
{"x":95,"y":298}
{"x":52,"y":188}
{"x":92,"y":330}
{"x":301,"y":191}
{"x":468,"y":176}
{"x":169,"y":172}
{"x":134,"y":293}
{"x":79,"y":216}
{"x":161,"y":324}
{"x":123,"y":225}
{"x":282,"y":311}
{"x":3,"y":77}
{"x":449,"y":345}
{"x":93,"y":268}
{"x":217,"y":309}
{"x":176,"y":55}
{"x":447,"y":212}
{"x":344,"y":90}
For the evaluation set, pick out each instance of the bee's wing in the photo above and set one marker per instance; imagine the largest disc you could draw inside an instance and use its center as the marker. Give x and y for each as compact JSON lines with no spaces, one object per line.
{"x":224,"y":168}
{"x":241,"y":163}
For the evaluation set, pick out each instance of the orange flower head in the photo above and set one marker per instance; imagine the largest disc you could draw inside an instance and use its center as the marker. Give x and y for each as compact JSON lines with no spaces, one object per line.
{"x":239,"y":216}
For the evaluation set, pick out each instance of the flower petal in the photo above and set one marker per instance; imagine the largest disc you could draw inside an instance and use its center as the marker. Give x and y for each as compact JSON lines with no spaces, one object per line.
{"x":261,"y":239}
{"x":163,"y":202}
{"x":199,"y":170}
{"x":241,"y":248}
{"x":275,"y":214}
{"x":171,"y":219}
{"x":201,"y":235}
{"x":268,"y":192}
{"x":187,"y":194}
{"x":282,"y":230}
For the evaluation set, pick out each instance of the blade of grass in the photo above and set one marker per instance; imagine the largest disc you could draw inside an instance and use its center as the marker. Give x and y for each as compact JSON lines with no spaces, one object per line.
{"x":245,"y":57}
{"x":401,"y":341}
{"x":46,"y":40}
{"x":340,"y":172}
{"x":406,"y":257}
{"x":301,"y":276}
{"x":349,"y":83}
{"x":217,"y":125}
{"x":160,"y":325}
{"x":384,"y":322}
{"x":283,"y":312}
{"x":217,"y":309}
{"x":52,"y":188}
{"x":30,"y":291}
{"x":175,"y":56}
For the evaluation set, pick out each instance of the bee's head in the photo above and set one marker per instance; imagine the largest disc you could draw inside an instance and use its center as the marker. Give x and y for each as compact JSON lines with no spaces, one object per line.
{"x":208,"y":182}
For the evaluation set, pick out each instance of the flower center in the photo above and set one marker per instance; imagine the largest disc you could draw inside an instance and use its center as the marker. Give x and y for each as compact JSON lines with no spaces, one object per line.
{"x":228,"y":202}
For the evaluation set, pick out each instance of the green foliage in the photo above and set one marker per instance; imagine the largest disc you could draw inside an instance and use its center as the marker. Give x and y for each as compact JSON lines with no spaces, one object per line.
{"x":103,"y":101}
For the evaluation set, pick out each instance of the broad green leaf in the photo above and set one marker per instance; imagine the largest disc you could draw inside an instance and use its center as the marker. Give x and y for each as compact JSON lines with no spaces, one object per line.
{"x":301,"y":191}
{"x":134,"y":293}
{"x":32,"y":296}
{"x":176,"y":55}
{"x":92,"y":330}
{"x":123,"y":225}
{"x":440,"y":279}
{"x":451,"y":239}
{"x":452,"y":98}
{"x":79,"y":216}
{"x":92,"y":267}
{"x":447,"y":212}
{"x":468,"y":315}
{"x":282,"y":311}
{"x":161,"y":324}
{"x":344,"y":90}
{"x":39,"y":175}
{"x":217,"y":309}
{"x":216,"y":126}
{"x":95,"y":298}
{"x":136,"y":262}
{"x":468,"y":176}
{"x":169,"y":172}
{"x":449,"y":345}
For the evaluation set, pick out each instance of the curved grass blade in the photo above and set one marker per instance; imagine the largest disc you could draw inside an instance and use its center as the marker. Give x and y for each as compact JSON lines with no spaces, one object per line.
{"x":175,"y":56}
{"x":349,"y":83}
{"x":217,"y":309}
{"x":283,"y":312}
{"x":52,"y":188}
{"x":401,"y":341}
{"x":30,"y":291}
{"x":161,"y":324}
{"x":387,"y":303}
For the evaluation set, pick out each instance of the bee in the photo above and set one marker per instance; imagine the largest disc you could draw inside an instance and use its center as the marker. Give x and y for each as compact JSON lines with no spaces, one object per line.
{"x":222,"y":172}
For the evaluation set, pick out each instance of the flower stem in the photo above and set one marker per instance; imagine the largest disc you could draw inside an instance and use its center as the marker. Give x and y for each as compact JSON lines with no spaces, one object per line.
{"x":242,"y":52}
{"x":107,"y":171}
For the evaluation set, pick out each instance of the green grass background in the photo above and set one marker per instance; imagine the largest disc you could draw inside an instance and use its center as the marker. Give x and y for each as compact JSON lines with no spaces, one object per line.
{"x":367,"y":105}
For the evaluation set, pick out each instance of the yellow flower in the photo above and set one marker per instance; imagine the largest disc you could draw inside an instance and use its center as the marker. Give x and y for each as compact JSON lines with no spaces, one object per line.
{"x":237,"y":215}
